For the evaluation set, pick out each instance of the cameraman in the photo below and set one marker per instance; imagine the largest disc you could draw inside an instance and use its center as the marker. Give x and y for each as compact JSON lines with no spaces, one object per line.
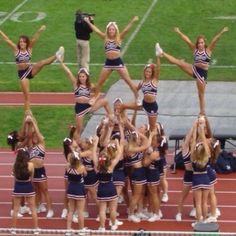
{"x":82,"y":32}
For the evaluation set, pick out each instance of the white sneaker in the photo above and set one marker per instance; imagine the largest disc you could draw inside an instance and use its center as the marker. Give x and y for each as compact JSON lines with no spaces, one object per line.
{"x":83,"y":231}
{"x":160,"y":214}
{"x":64,"y":213}
{"x":114,"y":227}
{"x":41,"y":208}
{"x":218,"y":213}
{"x":194,"y":224}
{"x":134,"y":218}
{"x":75,"y":218}
{"x":98,"y":219}
{"x":19,"y":215}
{"x":193,"y":213}
{"x":68,"y":232}
{"x":86,"y":214}
{"x":165,"y":197}
{"x":60,"y":54}
{"x":24,"y":209}
{"x":159,"y":50}
{"x":36,"y":231}
{"x":50,"y":214}
{"x":211,"y":219}
{"x":120,"y":199}
{"x":13,"y":231}
{"x":118,"y":222}
{"x":101,"y":229}
{"x":138,"y":102}
{"x":178,"y":217}
{"x":154,"y":218}
{"x":141,"y":216}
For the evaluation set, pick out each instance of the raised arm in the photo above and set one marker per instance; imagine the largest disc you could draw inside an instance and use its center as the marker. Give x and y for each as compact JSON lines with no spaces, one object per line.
{"x":157,"y":69}
{"x":12,"y":45}
{"x":95,"y":28}
{"x":128,"y":27}
{"x":216,"y":38}
{"x":36,"y":35}
{"x":185,"y":38}
{"x":68,"y":73}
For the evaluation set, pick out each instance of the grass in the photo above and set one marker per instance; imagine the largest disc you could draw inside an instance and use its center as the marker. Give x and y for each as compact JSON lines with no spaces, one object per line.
{"x":53,"y":122}
{"x":193,"y":17}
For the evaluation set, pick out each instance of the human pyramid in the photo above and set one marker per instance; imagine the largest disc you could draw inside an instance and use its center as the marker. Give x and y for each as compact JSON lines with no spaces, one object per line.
{"x":119,"y":156}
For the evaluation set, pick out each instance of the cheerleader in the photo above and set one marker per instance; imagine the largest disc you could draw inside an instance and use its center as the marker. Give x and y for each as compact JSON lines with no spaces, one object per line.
{"x":202,"y":57}
{"x":106,"y":192}
{"x":33,"y":140}
{"x":85,"y":101}
{"x":200,"y":154}
{"x":137,"y":143}
{"x":76,"y":191}
{"x":112,"y":42}
{"x":23,"y":53}
{"x":23,"y":171}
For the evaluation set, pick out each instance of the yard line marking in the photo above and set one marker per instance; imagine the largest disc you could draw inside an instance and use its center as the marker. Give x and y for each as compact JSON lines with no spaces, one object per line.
{"x":138,"y":28}
{"x":128,"y":64}
{"x":12,"y":12}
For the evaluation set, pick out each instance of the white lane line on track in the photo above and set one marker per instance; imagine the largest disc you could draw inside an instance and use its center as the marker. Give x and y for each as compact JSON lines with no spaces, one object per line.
{"x":144,"y":18}
{"x":13,"y":11}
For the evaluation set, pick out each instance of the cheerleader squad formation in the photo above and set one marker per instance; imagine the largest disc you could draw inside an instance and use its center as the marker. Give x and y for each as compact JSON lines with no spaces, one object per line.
{"x":120,"y":162}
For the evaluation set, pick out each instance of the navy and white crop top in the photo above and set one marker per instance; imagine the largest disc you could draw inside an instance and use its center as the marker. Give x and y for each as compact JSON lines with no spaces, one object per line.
{"x":104,"y":177}
{"x":201,"y":57}
{"x":198,"y":168}
{"x":187,"y":158}
{"x":137,"y":157}
{"x":82,"y":91}
{"x":88,"y":163}
{"x":37,"y":152}
{"x":23,"y":57}
{"x":149,"y":88}
{"x":112,"y":46}
{"x":74,"y":175}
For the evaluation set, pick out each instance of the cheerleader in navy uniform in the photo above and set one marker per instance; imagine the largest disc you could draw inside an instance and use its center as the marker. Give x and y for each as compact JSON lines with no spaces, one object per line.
{"x":200,"y":154}
{"x":149,"y":87}
{"x":23,"y":52}
{"x":137,"y":143}
{"x":188,"y":174}
{"x":202,"y":56}
{"x":85,"y":101}
{"x":34,"y":141}
{"x":215,"y":149}
{"x":23,"y":171}
{"x":106,"y":192}
{"x":112,"y":41}
{"x":76,"y":193}
{"x":152,"y":161}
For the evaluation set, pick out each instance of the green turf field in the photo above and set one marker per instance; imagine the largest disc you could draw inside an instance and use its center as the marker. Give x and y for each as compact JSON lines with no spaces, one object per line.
{"x":157,"y":20}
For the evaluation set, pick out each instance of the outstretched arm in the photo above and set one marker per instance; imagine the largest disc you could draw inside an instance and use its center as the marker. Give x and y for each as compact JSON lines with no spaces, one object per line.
{"x":36,"y":35}
{"x":68,"y":73}
{"x":157,"y":69}
{"x":12,"y":45}
{"x":128,"y":27}
{"x":185,"y":38}
{"x":216,"y":38}
{"x":94,"y":28}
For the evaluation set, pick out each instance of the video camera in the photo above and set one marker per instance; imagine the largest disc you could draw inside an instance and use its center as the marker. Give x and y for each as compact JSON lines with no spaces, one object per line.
{"x":81,"y":15}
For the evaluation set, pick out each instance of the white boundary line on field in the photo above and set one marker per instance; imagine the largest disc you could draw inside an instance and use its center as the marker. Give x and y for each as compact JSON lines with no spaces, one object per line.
{"x":13,"y":11}
{"x":138,"y":28}
{"x":127,"y":64}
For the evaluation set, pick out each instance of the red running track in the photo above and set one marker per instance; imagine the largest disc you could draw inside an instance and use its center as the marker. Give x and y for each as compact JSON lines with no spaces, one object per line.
{"x":55,"y":163}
